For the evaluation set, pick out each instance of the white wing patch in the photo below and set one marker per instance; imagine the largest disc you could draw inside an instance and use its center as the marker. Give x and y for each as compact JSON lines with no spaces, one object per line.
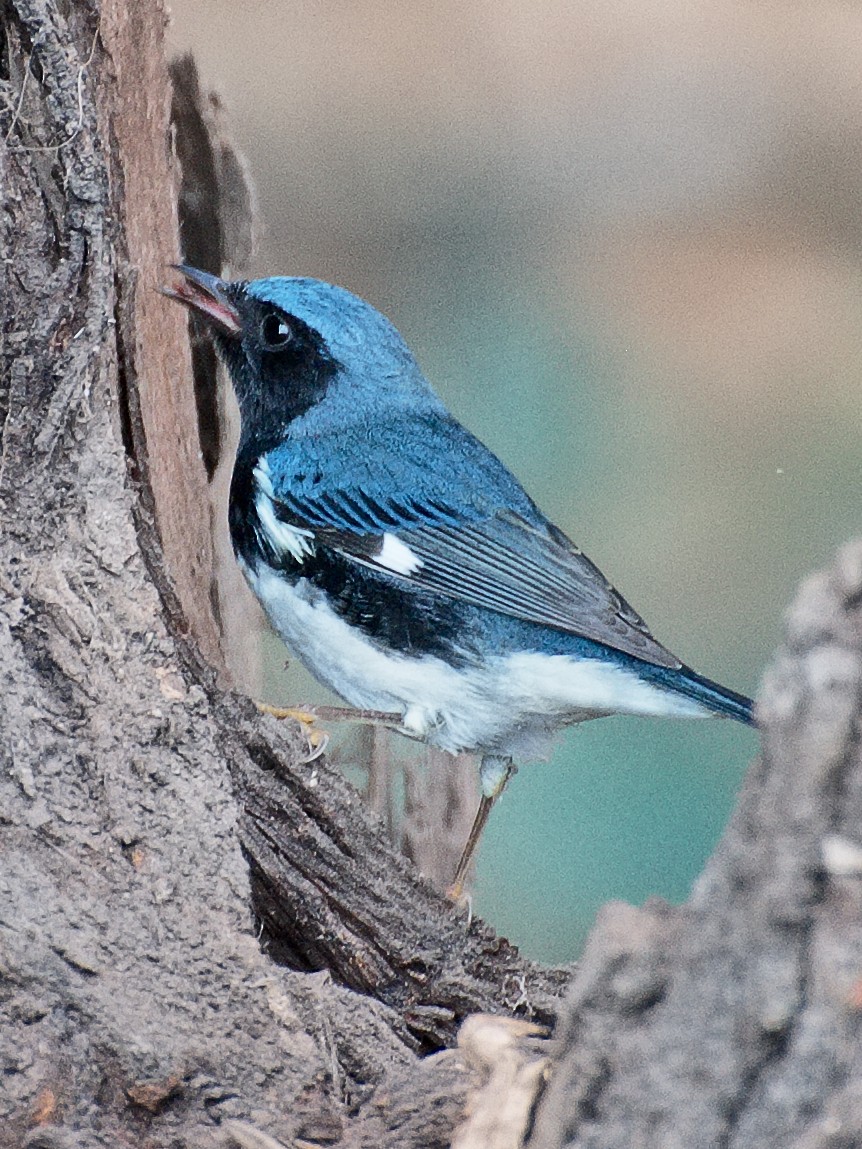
{"x":297,"y":541}
{"x":263,"y":476}
{"x":394,"y":555}
{"x":397,"y":556}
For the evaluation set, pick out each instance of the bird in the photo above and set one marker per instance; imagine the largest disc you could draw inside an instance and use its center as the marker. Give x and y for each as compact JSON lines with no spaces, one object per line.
{"x":400,"y":559}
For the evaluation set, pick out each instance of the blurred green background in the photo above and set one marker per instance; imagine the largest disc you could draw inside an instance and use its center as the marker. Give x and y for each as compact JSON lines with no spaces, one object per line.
{"x":623,"y":240}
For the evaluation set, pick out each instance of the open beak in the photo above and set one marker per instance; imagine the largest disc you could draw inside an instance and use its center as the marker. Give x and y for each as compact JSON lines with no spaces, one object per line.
{"x":205,"y":294}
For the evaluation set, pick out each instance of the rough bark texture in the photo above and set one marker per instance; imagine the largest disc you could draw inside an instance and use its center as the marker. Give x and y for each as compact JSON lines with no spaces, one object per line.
{"x":137,"y":1004}
{"x":144,"y":811}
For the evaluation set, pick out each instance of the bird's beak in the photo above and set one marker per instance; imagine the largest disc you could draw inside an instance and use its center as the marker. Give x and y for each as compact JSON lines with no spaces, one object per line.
{"x":205,"y":294}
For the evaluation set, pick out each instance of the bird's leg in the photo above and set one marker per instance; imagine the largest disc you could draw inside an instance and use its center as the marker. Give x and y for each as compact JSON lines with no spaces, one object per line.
{"x":494,"y":773}
{"x":308,"y":716}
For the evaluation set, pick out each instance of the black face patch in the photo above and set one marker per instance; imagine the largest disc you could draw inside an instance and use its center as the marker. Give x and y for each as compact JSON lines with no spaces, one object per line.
{"x":280,"y":367}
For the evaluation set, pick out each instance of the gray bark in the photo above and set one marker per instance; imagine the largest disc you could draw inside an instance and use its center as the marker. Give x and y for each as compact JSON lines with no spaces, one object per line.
{"x":144,"y":811}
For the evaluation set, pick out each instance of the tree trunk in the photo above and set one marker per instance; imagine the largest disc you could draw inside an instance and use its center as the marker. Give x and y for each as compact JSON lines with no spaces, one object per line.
{"x":144,"y":810}
{"x":201,"y":927}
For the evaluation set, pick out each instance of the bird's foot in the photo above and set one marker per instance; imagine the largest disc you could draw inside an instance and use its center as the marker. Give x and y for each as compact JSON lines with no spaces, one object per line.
{"x":309,"y":716}
{"x":316,"y":739}
{"x":461,"y":901}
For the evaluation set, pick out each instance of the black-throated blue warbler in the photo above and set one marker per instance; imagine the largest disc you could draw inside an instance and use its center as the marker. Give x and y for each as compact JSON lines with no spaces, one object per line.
{"x":398,"y":557}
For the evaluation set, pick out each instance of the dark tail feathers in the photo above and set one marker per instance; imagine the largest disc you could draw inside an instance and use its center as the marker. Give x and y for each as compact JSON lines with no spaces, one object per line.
{"x":719,"y":699}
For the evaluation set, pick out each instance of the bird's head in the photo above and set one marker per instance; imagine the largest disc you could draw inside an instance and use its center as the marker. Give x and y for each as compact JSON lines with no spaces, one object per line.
{"x":299,"y":347}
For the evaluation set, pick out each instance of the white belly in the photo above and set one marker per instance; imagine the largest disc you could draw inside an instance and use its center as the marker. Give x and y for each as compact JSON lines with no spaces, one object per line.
{"x":509,"y":705}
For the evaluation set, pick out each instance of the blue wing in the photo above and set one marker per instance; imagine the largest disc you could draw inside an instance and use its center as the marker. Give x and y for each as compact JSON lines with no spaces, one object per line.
{"x":426,"y":504}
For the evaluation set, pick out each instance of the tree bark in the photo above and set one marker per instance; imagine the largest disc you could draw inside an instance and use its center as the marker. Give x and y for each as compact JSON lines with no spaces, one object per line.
{"x":144,"y":811}
{"x":205,"y":937}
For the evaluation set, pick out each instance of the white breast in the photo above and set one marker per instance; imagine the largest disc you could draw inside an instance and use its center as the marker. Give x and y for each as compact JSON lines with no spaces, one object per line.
{"x":509,"y":704}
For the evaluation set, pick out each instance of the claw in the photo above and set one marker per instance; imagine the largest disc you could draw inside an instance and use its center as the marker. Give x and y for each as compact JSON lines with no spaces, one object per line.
{"x":317,"y":740}
{"x":461,"y":901}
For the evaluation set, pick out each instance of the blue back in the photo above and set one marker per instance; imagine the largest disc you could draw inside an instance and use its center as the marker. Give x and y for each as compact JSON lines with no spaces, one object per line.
{"x":380,"y":427}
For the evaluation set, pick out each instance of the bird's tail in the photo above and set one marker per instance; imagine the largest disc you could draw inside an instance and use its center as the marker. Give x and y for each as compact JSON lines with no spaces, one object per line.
{"x":718,"y":699}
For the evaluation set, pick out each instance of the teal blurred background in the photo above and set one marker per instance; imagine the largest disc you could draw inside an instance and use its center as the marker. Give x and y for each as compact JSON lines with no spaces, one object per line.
{"x":623,"y":240}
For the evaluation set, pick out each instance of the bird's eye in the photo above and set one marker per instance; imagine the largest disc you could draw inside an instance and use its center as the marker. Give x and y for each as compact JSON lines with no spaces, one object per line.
{"x":275,"y":331}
